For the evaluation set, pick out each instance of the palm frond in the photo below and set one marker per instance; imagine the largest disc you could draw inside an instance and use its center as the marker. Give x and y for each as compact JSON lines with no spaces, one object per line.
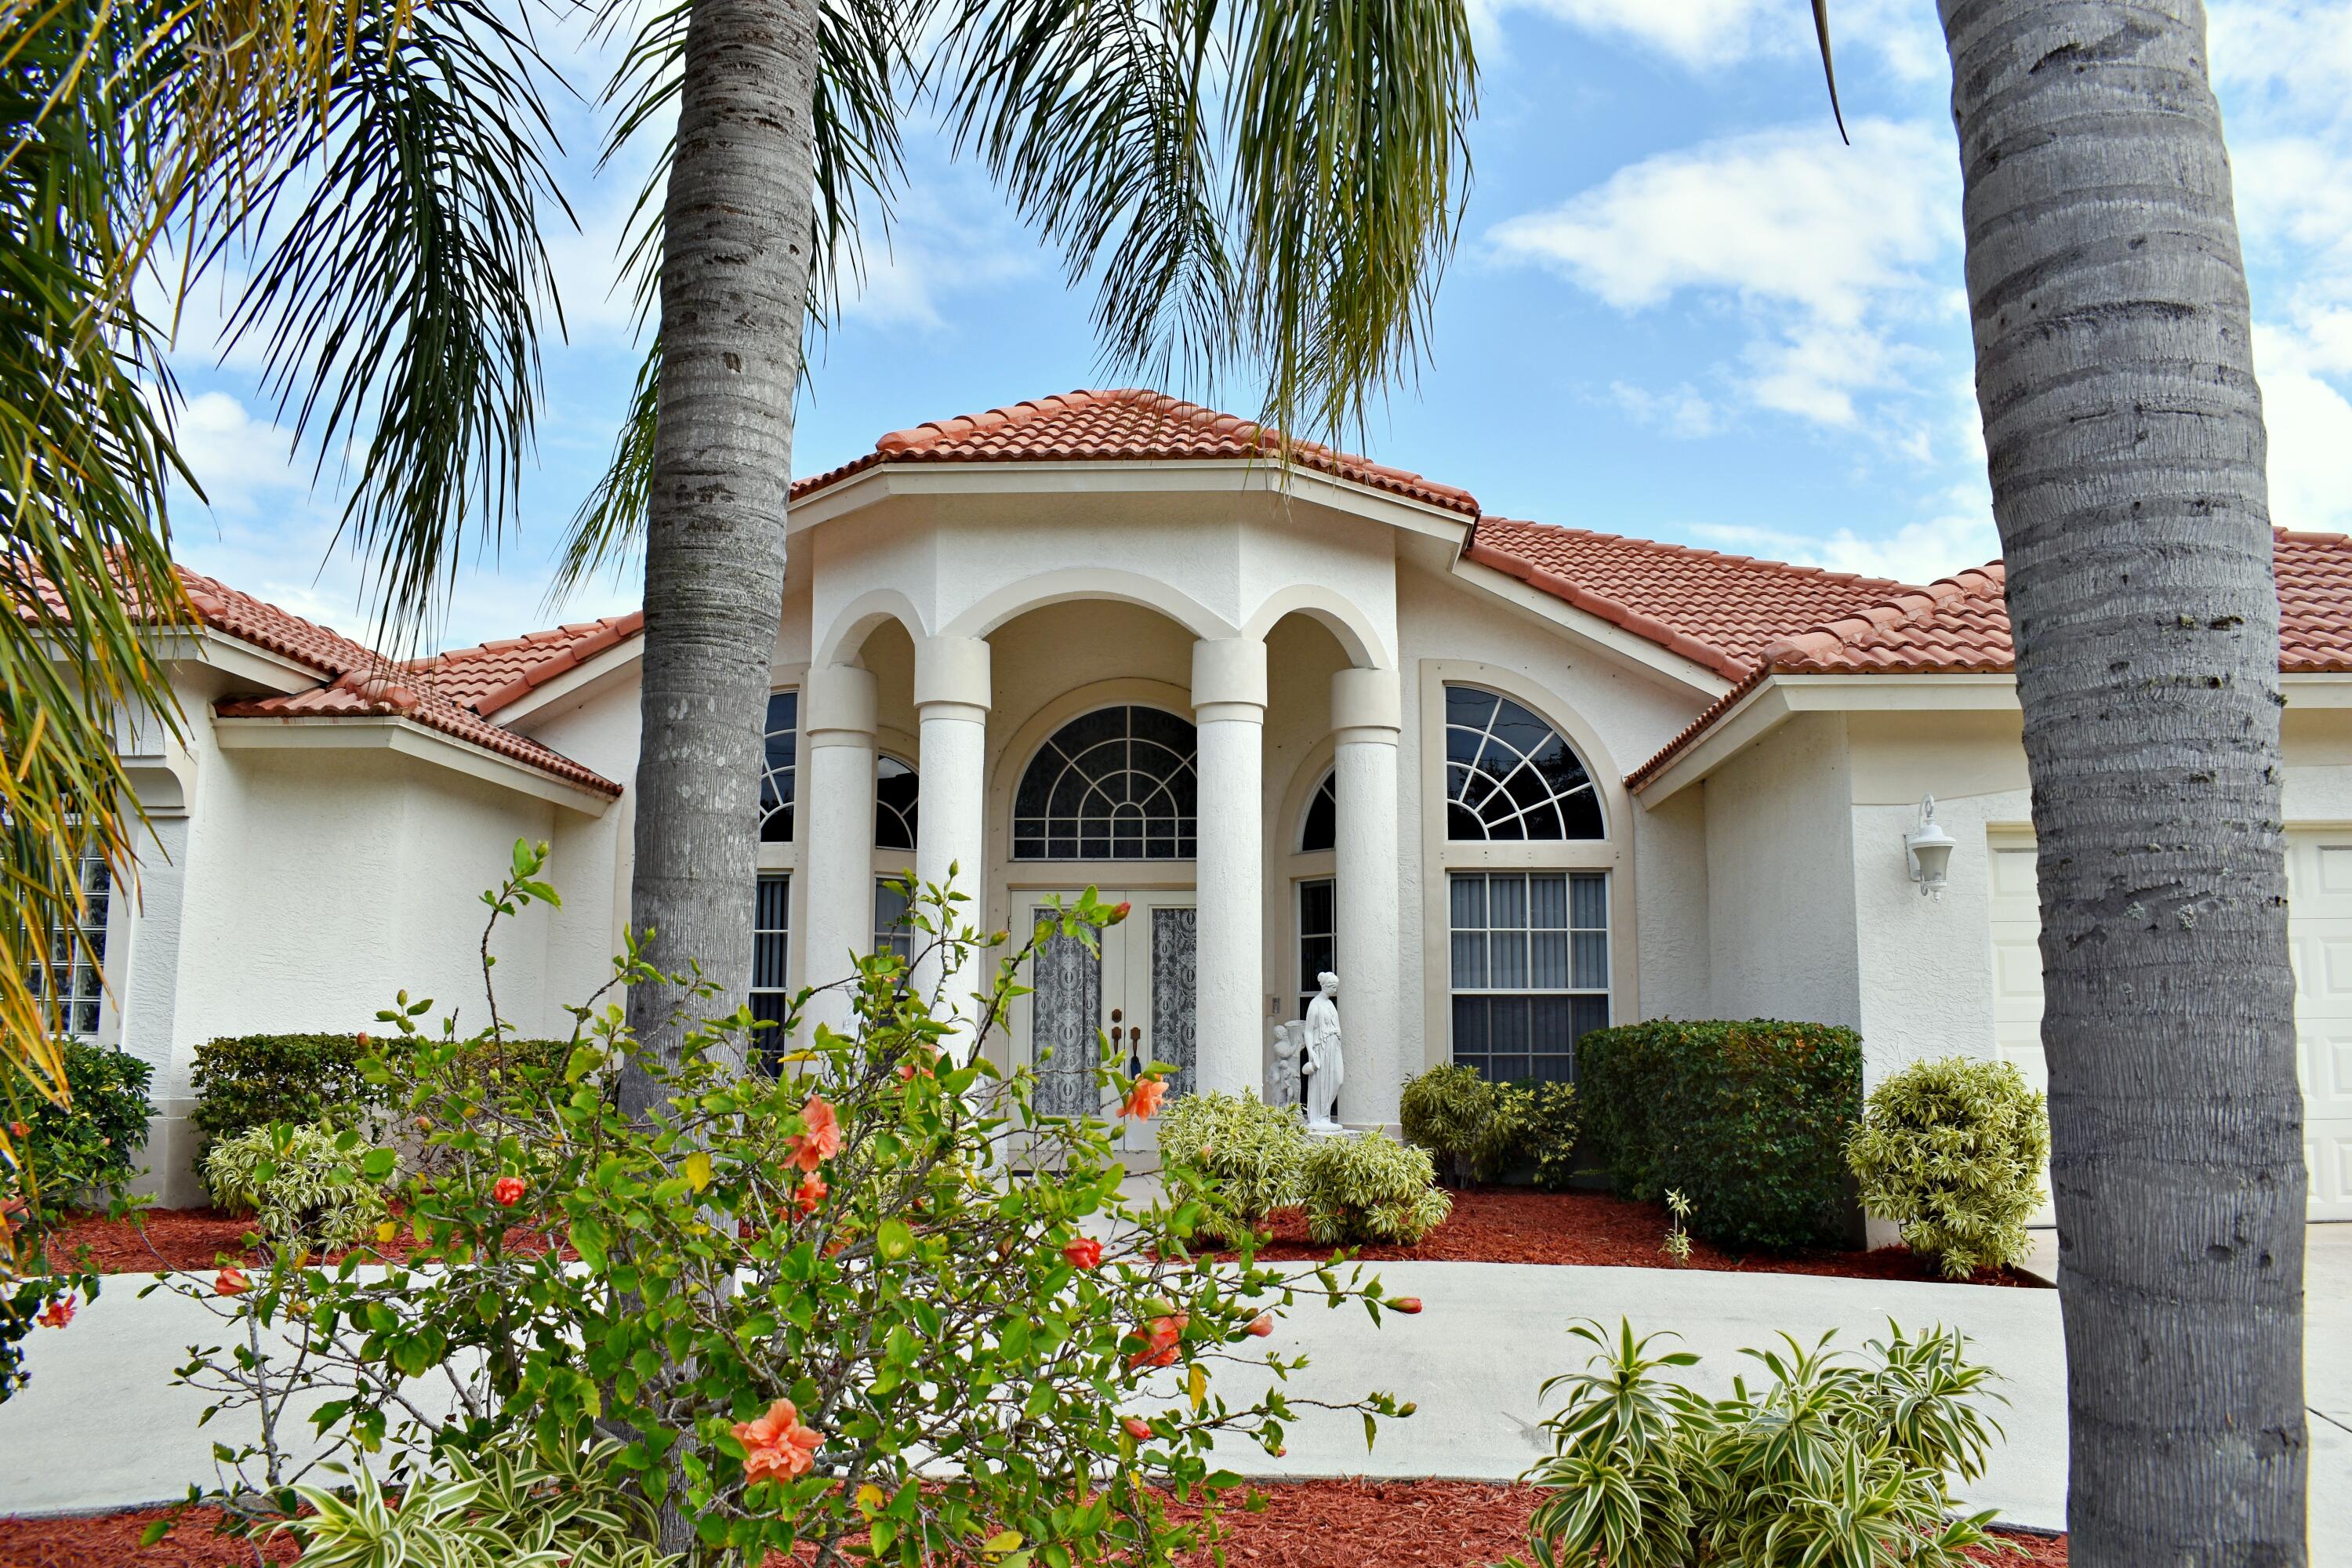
{"x":610,"y":526}
{"x":399,"y":300}
{"x":1276,"y":185}
{"x":86,"y":574}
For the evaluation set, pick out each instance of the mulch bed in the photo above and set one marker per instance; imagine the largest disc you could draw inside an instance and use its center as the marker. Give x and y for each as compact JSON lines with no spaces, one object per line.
{"x":1489,"y":1225}
{"x":1305,"y":1524}
{"x":1517,"y":1224}
{"x":202,"y":1239}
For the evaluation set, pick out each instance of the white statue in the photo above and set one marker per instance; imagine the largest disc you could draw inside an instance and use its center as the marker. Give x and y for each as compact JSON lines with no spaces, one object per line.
{"x":1282,"y":1072}
{"x":1323,"y":1067}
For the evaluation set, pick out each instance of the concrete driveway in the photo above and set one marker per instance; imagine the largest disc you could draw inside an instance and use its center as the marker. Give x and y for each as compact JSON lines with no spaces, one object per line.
{"x":99,"y":1427}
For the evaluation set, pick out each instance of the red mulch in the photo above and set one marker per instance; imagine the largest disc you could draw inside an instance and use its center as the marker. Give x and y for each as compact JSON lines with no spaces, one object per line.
{"x":1517,"y":1224}
{"x":203,"y":1239}
{"x":1305,"y":1524}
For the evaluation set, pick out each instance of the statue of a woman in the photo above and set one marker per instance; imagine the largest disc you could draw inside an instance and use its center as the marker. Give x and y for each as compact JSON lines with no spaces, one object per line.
{"x":1324,"y":1068}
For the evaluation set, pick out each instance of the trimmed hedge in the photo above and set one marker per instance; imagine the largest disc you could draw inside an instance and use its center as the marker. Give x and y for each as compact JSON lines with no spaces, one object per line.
{"x":1748,"y":1120}
{"x":256,"y":1080}
{"x":1479,"y":1130}
{"x":253,"y":1080}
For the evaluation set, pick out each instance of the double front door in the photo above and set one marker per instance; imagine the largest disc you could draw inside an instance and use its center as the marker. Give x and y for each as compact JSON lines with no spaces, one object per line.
{"x":1124,"y":1004}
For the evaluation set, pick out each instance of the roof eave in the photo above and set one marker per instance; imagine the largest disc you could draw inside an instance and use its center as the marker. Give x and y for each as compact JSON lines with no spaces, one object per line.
{"x":883,"y":481}
{"x":401,"y":734}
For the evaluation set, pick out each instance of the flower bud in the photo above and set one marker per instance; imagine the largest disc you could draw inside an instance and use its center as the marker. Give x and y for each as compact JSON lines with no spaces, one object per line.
{"x":1261,"y":1325}
{"x":1137,"y":1428}
{"x":1409,"y":1305}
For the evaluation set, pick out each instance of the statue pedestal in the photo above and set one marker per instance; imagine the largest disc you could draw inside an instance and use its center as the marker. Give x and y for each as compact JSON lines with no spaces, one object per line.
{"x":1335,"y":1130}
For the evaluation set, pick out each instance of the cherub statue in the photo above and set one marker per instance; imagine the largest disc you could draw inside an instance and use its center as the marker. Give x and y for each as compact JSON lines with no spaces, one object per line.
{"x":1282,"y":1071}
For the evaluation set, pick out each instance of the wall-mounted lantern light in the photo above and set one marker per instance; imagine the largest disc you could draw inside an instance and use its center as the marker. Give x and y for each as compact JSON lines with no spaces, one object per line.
{"x":1928,"y":848}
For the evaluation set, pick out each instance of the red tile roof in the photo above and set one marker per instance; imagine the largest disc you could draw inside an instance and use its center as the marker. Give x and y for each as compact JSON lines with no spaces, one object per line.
{"x":363,"y":684}
{"x":1125,"y":424}
{"x":1960,"y":626}
{"x":498,"y":674}
{"x":1717,"y":610}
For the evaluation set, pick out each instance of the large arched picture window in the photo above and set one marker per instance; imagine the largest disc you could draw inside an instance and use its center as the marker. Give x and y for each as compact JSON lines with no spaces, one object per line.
{"x":1118,"y":783}
{"x":1510,"y":775}
{"x":777,"y":766}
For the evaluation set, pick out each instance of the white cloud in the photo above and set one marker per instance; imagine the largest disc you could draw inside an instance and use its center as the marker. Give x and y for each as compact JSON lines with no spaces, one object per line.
{"x":1826,"y":250}
{"x":1712,"y":34}
{"x":1678,"y":411}
{"x":1959,"y":535}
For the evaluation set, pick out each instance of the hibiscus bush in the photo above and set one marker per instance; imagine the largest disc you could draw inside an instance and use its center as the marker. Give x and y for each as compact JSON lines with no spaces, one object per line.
{"x":824,"y":1308}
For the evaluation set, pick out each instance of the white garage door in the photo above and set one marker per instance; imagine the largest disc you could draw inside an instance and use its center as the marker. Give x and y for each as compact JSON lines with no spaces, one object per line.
{"x":2319,"y":933}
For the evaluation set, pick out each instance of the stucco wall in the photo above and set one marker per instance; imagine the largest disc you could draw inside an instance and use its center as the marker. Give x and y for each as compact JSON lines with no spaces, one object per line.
{"x":1779,"y":860}
{"x":1673,"y":957}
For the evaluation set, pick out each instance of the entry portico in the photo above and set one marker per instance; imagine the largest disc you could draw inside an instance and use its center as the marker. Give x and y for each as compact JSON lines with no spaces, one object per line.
{"x":1156,"y":629}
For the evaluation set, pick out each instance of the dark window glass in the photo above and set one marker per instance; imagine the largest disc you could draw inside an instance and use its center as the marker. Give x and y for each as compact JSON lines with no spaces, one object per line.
{"x":896,"y":792}
{"x":1319,"y":936}
{"x":1119,"y":783}
{"x":770,"y":996}
{"x":1510,"y":776}
{"x":891,"y":931}
{"x":1322,"y":830}
{"x":779,"y":767}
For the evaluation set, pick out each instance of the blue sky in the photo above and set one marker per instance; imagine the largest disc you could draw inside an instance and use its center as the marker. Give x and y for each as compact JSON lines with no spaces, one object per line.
{"x":1681,"y":308}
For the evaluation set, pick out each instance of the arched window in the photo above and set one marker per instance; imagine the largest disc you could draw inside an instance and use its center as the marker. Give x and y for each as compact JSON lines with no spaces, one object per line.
{"x":895,"y":789}
{"x":1322,"y":828}
{"x":1118,"y":783}
{"x":1509,"y":774}
{"x":778,"y":767}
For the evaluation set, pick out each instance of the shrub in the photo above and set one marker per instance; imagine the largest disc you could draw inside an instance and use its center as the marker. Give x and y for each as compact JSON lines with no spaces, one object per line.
{"x":252,"y":1080}
{"x":1549,"y":1122}
{"x":83,"y":1152}
{"x":309,"y":1186}
{"x":1248,"y":1152}
{"x":511,"y":1506}
{"x":1478,"y":1131}
{"x":1834,"y":1460}
{"x":1952,"y":1151}
{"x":1371,"y":1190}
{"x":1449,"y":1110}
{"x":817,"y":1307}
{"x":1748,"y":1120}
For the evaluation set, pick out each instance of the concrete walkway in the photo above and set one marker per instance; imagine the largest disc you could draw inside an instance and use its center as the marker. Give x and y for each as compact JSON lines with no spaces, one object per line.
{"x":99,"y":1428}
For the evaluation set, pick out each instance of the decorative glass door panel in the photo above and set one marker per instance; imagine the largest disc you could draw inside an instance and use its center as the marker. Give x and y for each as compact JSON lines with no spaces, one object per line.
{"x":1130,"y":1005}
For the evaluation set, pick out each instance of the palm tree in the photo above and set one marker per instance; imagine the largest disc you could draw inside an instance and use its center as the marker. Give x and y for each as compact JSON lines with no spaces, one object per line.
{"x":2123,"y":436}
{"x":1260,"y":183}
{"x":382,"y":168}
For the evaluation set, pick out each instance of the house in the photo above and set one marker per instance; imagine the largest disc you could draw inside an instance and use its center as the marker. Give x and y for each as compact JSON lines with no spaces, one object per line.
{"x":1509,"y":781}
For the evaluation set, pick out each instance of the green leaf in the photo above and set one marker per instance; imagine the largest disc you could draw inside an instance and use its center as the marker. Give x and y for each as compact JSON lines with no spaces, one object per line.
{"x":894,"y":1239}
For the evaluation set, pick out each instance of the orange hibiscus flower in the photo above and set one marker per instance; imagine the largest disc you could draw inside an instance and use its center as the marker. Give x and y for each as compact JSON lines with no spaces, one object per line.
{"x":822,"y":1142}
{"x":1142,"y":1101}
{"x":57,"y":1314}
{"x":777,"y":1444}
{"x":809,"y":1193}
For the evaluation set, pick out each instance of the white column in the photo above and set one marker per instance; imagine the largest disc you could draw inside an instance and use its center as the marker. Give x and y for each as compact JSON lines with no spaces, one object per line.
{"x":1229,"y":707}
{"x":1364,"y":722}
{"x":837,"y":858}
{"x":952,"y":701}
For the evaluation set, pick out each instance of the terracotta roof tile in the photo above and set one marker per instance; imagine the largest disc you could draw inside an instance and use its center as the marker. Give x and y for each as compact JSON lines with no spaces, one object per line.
{"x":1125,"y":424}
{"x":363,"y":682}
{"x":1960,"y":626}
{"x":498,"y":674}
{"x":1718,"y":610}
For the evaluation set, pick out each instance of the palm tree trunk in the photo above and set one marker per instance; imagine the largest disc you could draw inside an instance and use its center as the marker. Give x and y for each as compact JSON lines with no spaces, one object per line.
{"x":734,"y":286}
{"x":2124,"y":440}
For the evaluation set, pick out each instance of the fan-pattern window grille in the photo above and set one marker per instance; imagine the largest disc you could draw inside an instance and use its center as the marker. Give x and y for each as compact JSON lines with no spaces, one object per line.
{"x":1119,"y":783}
{"x":1322,"y":828}
{"x":72,"y":986}
{"x":1510,"y":775}
{"x":779,"y":767}
{"x":895,"y":792}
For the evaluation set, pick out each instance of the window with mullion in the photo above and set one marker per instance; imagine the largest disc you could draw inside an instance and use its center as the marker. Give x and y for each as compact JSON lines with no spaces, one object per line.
{"x":891,"y":931}
{"x":1529,"y":960}
{"x":1318,"y":935}
{"x":71,"y":987}
{"x":771,"y":998}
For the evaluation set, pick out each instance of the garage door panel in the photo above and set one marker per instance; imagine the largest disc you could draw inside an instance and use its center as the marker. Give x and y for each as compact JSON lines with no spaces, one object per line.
{"x":2319,"y":915}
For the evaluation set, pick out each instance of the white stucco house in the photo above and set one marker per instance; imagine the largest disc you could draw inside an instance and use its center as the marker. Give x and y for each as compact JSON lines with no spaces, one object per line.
{"x":1510,"y":780}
